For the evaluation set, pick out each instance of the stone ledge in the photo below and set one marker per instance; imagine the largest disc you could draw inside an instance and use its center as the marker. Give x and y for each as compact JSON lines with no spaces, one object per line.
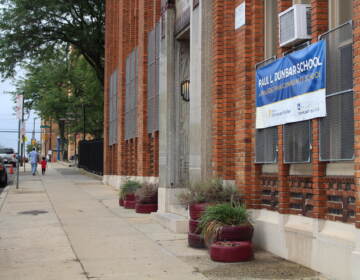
{"x":176,"y":223}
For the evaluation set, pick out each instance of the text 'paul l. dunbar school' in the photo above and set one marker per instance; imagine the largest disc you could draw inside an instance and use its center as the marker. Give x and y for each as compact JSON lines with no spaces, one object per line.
{"x":262,"y":93}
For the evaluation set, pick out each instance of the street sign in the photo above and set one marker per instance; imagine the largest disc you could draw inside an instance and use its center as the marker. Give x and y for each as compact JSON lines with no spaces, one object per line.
{"x":22,"y":129}
{"x":19,"y":106}
{"x":44,"y":126}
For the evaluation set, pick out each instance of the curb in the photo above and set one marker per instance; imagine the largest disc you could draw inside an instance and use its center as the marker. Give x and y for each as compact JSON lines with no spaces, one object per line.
{"x":82,"y":171}
{"x":3,"y":196}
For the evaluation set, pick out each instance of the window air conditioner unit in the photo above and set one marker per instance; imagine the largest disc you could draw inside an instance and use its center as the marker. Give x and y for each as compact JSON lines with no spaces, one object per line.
{"x":295,"y":25}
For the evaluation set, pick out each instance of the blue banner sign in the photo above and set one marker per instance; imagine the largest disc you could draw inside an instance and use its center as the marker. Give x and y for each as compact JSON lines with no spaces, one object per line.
{"x":292,"y":88}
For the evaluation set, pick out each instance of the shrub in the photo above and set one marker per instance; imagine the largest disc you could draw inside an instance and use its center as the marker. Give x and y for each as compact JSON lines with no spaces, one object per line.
{"x":147,"y":193}
{"x":129,"y":187}
{"x":210,"y":191}
{"x":217,"y":216}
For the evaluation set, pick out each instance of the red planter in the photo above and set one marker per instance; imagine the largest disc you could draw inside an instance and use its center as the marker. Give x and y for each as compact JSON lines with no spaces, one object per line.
{"x":196,"y":240}
{"x":152,"y":199}
{"x":196,"y":210}
{"x":236,"y":233}
{"x":145,"y":208}
{"x":193,"y":226}
{"x":231,"y":251}
{"x":130,"y":196}
{"x":121,"y":202}
{"x":129,"y":204}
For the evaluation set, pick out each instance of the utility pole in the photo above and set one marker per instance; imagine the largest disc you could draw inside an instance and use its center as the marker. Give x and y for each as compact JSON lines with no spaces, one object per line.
{"x":33,"y":132}
{"x":20,"y":106}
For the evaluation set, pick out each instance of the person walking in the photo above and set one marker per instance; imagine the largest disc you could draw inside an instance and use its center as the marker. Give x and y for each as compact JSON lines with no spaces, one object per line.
{"x":34,"y":159}
{"x":43,"y":165}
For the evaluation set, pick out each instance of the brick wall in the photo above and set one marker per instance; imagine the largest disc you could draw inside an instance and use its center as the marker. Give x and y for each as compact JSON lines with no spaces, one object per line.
{"x":127,"y":25}
{"x":319,"y":24}
{"x":356,"y":73}
{"x":235,"y":54}
{"x":223,"y":119}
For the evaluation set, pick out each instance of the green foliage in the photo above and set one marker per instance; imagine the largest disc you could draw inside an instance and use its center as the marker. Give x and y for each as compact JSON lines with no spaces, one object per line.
{"x":216,"y":216}
{"x":38,"y":28}
{"x":147,"y":192}
{"x":129,"y":187}
{"x":211,"y":191}
{"x":30,"y":147}
{"x":58,"y":88}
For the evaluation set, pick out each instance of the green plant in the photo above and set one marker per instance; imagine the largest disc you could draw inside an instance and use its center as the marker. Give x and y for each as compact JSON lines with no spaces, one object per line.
{"x":129,"y":187}
{"x":217,"y":216}
{"x":147,"y":193}
{"x":210,"y":191}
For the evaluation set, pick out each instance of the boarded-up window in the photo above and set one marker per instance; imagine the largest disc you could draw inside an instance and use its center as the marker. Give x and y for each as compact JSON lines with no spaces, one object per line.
{"x":131,"y":94}
{"x":113,"y":113}
{"x":153,"y":79}
{"x":337,"y":128}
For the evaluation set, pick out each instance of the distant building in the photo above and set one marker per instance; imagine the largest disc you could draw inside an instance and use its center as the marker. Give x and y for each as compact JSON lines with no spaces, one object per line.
{"x":182,"y":103}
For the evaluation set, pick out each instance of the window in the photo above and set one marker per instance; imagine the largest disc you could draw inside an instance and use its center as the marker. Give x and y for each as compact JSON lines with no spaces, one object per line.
{"x":266,"y":139}
{"x":153,"y":79}
{"x":113,"y":113}
{"x":131,"y":95}
{"x":297,"y":136}
{"x":337,"y":128}
{"x":266,"y":145}
{"x":340,"y":11}
{"x":297,"y":142}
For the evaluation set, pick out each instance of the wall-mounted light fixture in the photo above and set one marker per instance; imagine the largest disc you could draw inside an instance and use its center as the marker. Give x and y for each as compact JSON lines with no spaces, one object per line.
{"x":185,"y":90}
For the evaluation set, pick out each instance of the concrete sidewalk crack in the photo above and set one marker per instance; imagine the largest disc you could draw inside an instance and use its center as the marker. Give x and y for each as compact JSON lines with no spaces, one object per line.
{"x":66,"y":234}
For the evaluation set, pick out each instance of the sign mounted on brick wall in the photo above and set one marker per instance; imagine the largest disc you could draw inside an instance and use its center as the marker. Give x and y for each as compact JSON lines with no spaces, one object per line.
{"x":292,"y":88}
{"x":240,"y":15}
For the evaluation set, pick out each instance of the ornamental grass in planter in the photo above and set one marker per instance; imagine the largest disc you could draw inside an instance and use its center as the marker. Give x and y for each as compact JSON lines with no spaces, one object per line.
{"x":197,"y":196}
{"x":226,"y":222}
{"x":127,"y":194}
{"x":147,"y":198}
{"x":227,"y":231}
{"x":202,"y":193}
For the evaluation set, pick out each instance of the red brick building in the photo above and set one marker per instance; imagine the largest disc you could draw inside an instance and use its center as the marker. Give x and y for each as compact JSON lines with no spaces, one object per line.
{"x":180,"y":104}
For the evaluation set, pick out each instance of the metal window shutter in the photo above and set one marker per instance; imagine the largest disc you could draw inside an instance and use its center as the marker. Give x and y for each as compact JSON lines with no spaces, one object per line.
{"x":297,"y":141}
{"x":266,"y":145}
{"x":337,"y":128}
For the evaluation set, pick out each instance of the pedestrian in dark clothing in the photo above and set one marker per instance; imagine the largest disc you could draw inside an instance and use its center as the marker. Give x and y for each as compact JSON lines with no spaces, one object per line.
{"x":43,"y":165}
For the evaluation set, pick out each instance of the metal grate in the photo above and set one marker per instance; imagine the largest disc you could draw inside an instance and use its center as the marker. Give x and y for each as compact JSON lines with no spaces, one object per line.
{"x":337,"y":128}
{"x":113,"y":119}
{"x":287,"y":28}
{"x":131,"y":95}
{"x":266,"y":139}
{"x":153,"y":79}
{"x":297,"y":142}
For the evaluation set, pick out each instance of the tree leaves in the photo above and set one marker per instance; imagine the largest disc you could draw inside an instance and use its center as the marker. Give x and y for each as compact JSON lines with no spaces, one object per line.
{"x":35,"y":29}
{"x":58,"y":88}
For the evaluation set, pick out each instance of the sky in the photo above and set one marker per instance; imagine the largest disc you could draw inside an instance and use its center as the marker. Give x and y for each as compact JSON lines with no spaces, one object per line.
{"x":8,"y":120}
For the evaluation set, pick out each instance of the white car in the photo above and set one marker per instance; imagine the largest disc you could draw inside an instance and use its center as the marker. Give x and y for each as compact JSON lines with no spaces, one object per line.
{"x":8,"y":155}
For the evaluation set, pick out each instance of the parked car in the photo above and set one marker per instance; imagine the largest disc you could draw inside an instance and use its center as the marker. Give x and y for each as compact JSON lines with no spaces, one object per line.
{"x":3,"y":174}
{"x":8,"y":155}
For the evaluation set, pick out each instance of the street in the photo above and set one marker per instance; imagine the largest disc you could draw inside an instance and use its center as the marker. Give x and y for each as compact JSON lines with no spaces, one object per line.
{"x":66,"y":225}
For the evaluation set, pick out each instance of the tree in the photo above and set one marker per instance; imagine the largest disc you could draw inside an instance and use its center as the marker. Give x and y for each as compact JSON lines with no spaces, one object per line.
{"x":29,"y":147}
{"x":58,"y":88}
{"x":38,"y":28}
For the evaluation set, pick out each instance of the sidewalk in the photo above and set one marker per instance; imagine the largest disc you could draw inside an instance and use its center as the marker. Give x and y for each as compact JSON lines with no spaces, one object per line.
{"x":66,"y":225}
